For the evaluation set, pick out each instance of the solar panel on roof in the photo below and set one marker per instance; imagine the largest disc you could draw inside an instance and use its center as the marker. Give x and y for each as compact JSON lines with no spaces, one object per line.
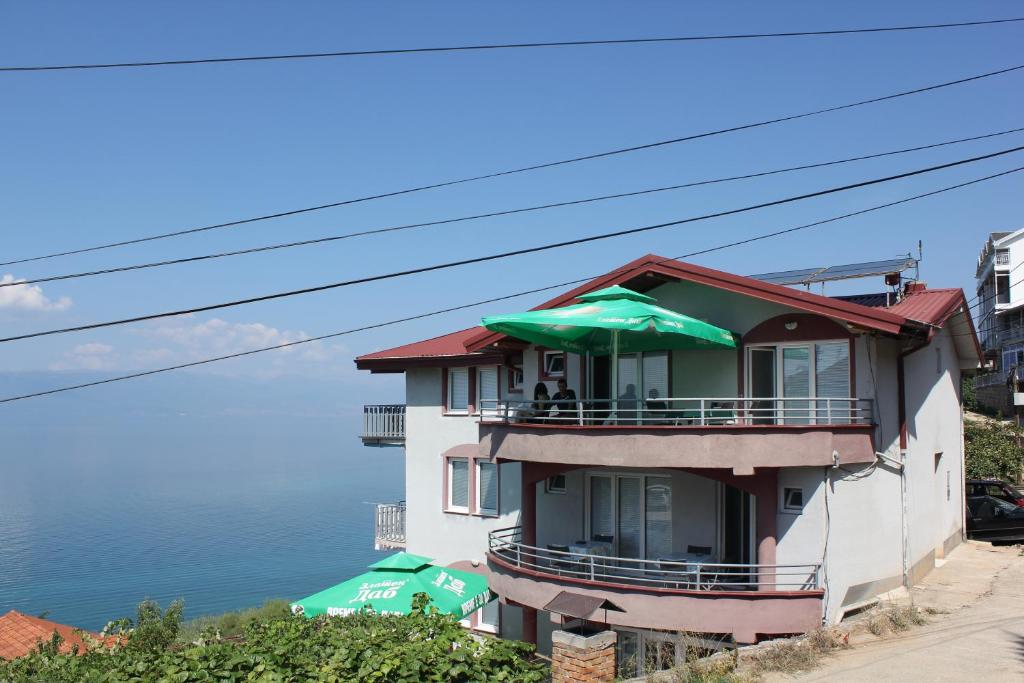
{"x":805,"y":276}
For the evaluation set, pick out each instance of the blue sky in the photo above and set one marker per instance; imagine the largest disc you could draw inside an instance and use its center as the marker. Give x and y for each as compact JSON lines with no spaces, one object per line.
{"x":99,"y":156}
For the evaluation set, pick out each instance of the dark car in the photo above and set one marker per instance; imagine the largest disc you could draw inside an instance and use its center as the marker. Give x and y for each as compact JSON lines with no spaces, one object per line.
{"x":996,"y":489}
{"x":993,"y":519}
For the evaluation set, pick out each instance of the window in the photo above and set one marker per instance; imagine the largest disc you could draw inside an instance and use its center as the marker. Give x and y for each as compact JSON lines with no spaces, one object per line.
{"x":552,"y":364}
{"x":515,"y":378}
{"x":486,"y":619}
{"x":792,"y":499}
{"x":555,"y":484}
{"x":458,"y":390}
{"x":487,"y":389}
{"x":487,"y":488}
{"x":458,"y":484}
{"x":1003,"y":289}
{"x":796,"y":381}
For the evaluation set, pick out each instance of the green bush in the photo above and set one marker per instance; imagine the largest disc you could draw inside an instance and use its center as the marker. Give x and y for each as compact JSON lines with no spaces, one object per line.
{"x":422,"y":646}
{"x":232,"y":623}
{"x":992,"y":450}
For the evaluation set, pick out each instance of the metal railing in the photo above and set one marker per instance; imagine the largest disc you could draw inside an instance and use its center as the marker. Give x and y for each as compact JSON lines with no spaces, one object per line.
{"x":389,"y":530}
{"x":383,"y":422}
{"x":506,"y":545}
{"x":683,"y":411}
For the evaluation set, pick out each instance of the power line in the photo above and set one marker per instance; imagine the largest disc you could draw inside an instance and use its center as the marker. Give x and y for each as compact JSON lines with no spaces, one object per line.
{"x":522,"y":169}
{"x":447,"y":221}
{"x":507,"y":254}
{"x":719,"y":247}
{"x":503,"y":46}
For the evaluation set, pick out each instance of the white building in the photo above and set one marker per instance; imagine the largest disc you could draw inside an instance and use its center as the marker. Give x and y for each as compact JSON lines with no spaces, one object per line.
{"x":1000,"y":315}
{"x":759,"y":491}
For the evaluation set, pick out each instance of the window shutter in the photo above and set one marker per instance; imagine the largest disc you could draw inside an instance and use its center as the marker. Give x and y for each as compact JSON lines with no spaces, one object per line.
{"x":488,"y":396}
{"x":658,"y":504}
{"x":488,"y":494}
{"x":601,"y":506}
{"x":656,"y":374}
{"x":458,"y":485}
{"x":630,"y":517}
{"x":458,"y":389}
{"x":832,"y":369}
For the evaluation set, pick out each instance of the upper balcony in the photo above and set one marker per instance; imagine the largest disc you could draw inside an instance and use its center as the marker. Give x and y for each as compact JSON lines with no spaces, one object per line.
{"x":736,"y":432}
{"x":383,"y":425}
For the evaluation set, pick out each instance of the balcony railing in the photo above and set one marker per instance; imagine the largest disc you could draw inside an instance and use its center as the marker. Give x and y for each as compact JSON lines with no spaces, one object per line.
{"x":383,"y":425}
{"x":506,"y":545}
{"x":389,"y":530}
{"x":682,"y":412}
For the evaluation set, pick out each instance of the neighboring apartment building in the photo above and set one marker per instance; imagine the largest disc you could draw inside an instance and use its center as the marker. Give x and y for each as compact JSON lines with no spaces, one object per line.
{"x":756,"y":491}
{"x":1000,"y":316}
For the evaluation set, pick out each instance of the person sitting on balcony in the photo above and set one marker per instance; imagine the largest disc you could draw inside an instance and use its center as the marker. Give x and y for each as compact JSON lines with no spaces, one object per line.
{"x":628,"y":405}
{"x":657,"y":409}
{"x":541,"y":404}
{"x":564,"y":400}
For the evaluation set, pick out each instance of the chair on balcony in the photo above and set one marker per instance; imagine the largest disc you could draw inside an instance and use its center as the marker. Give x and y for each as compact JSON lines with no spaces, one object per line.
{"x":562,"y":563}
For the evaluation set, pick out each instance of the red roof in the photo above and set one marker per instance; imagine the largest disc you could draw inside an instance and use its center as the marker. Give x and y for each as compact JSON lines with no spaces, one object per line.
{"x":920,"y":308}
{"x":20,"y":634}
{"x":929,"y":306}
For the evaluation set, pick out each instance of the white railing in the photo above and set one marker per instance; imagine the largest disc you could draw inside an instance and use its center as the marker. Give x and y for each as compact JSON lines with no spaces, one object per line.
{"x":389,"y":530}
{"x":506,"y":545}
{"x":683,"y":412}
{"x":384,"y":422}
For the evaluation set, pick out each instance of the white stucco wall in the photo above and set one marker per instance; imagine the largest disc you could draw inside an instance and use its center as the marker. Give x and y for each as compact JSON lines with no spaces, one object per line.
{"x":430,"y":531}
{"x":934,"y":427}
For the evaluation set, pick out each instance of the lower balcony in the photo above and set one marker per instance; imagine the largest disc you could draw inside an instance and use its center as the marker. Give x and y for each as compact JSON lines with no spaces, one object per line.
{"x":389,"y":528}
{"x":383,"y":425}
{"x":700,"y":551}
{"x":682,"y":594}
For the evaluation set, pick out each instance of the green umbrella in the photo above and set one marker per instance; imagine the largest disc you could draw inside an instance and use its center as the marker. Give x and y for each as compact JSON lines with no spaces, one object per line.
{"x":391,"y":584}
{"x":611,"y":317}
{"x":611,"y":321}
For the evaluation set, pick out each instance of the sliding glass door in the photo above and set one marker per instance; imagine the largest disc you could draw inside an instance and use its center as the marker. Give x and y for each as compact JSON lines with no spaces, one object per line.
{"x":634,"y":511}
{"x":795,"y":381}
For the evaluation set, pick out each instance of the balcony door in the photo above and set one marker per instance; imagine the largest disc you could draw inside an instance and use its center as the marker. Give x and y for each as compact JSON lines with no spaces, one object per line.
{"x":633,"y":510}
{"x":804,"y":376}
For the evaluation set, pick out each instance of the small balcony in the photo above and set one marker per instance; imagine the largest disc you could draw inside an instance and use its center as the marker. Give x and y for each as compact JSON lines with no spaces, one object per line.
{"x":389,"y":529}
{"x":383,"y":425}
{"x":736,"y":432}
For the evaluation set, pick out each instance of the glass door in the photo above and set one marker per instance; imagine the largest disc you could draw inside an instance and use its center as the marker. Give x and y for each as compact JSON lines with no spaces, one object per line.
{"x":630,"y":517}
{"x":762,"y":385}
{"x":796,"y":383}
{"x":658,"y":517}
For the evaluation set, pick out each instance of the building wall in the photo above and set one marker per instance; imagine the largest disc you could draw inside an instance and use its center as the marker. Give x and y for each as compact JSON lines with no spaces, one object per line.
{"x":445,"y":537}
{"x":934,"y":453}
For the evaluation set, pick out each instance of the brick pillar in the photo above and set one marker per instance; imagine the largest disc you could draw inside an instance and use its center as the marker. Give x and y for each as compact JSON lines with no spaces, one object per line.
{"x":576,"y":658}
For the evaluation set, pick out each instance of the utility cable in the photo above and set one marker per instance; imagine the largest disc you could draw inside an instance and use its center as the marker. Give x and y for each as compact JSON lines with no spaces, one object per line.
{"x":447,"y":221}
{"x":494,"y":299}
{"x":502,"y":46}
{"x":507,"y":254}
{"x":522,"y":169}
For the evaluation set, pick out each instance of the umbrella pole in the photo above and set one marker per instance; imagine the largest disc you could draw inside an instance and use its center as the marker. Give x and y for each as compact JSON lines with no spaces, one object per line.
{"x":615,"y":374}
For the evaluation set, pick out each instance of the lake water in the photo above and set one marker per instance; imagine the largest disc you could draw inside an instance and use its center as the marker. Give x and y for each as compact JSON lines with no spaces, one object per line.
{"x":222,"y":511}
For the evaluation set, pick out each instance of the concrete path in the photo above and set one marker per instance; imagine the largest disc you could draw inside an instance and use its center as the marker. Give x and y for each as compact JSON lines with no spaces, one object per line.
{"x":980,"y":639}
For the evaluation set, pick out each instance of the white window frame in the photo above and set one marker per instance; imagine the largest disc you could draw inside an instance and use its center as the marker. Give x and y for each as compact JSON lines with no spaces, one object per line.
{"x":491,"y":409}
{"x":812,"y":360}
{"x":480,"y":509}
{"x":448,"y":399}
{"x":792,"y":509}
{"x":515,"y":378}
{"x":448,"y":470}
{"x":549,"y":487}
{"x":545,"y":374}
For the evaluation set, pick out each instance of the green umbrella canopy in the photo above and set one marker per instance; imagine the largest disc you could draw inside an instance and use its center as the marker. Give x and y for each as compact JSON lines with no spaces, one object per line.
{"x":590,"y":326}
{"x":390,"y":586}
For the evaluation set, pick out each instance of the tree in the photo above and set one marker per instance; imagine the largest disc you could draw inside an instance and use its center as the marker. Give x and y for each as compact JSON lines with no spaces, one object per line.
{"x":993,"y":450}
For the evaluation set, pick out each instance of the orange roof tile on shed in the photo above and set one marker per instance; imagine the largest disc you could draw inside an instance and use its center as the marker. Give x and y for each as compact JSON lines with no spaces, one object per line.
{"x":20,"y":634}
